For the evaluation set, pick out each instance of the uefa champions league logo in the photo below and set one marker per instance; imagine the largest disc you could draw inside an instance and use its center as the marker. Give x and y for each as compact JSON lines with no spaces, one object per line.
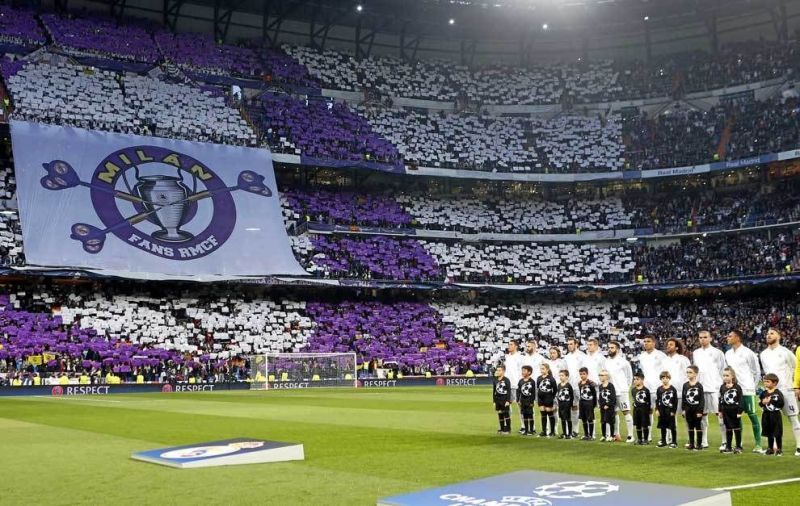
{"x":730,"y":397}
{"x":576,"y":489}
{"x":142,"y":195}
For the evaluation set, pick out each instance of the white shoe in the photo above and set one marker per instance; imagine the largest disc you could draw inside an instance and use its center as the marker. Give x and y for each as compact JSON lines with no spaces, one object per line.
{"x":629,"y":439}
{"x":758,"y":450}
{"x":797,"y":452}
{"x":722,"y":447}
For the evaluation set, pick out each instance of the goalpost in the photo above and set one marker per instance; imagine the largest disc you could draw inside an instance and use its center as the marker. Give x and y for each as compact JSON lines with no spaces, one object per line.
{"x":302,"y":370}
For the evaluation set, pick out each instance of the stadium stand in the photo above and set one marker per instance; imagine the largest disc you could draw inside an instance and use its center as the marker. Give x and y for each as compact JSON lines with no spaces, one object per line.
{"x":582,"y":82}
{"x":101,"y":36}
{"x":443,"y":337}
{"x":64,"y":93}
{"x":19,"y":27}
{"x":317,"y":129}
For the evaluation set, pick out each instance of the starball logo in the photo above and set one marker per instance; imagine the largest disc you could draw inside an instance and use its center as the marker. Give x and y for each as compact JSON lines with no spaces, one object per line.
{"x":150,"y":198}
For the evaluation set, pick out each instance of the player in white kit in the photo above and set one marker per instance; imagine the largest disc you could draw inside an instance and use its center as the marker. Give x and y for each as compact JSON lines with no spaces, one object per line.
{"x":745,"y":364}
{"x":621,"y":375}
{"x":513,"y":363}
{"x":778,"y":360}
{"x":595,"y":362}
{"x":575,"y":359}
{"x":711,"y":363}
{"x":652,"y":362}
{"x":676,"y":363}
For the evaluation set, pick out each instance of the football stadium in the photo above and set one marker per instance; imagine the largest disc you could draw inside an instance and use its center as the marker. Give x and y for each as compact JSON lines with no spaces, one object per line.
{"x":400,"y":252}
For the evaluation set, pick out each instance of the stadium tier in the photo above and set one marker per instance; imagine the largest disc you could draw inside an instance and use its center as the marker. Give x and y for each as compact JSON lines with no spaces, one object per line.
{"x":201,"y":334}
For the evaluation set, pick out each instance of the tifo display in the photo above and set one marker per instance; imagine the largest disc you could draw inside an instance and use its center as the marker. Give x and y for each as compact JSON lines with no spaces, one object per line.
{"x":316,"y":237}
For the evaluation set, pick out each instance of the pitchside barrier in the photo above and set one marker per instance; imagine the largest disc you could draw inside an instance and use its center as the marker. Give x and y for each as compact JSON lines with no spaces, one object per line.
{"x":134,"y":388}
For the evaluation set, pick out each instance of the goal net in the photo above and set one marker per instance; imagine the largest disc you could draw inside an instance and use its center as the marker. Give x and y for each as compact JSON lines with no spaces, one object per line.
{"x":302,"y":370}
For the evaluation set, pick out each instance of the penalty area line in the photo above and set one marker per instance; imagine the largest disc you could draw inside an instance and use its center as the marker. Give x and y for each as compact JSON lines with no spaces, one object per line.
{"x":759,"y":484}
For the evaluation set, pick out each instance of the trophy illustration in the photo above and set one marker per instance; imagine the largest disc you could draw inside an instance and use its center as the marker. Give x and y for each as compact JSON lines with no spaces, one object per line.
{"x":166,"y":198}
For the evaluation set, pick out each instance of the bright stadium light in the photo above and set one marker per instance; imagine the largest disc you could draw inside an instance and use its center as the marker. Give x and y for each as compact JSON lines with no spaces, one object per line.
{"x":452,"y":21}
{"x":647,"y":18}
{"x":359,"y":7}
{"x":544,"y":26}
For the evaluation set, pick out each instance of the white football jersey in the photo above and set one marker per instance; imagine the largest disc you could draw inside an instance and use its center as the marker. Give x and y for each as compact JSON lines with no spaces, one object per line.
{"x":620,"y":373}
{"x":513,"y":365}
{"x":710,"y":362}
{"x":676,"y":365}
{"x":595,"y":362}
{"x":574,"y":362}
{"x":652,"y":365}
{"x":781,"y":362}
{"x":745,"y":364}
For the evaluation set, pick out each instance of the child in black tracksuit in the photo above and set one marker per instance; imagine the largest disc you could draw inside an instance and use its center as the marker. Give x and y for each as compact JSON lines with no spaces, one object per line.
{"x":693,"y":400}
{"x":667,"y":405}
{"x":565,"y":397}
{"x":587,"y":395}
{"x":641,"y":409}
{"x":546,"y":395}
{"x":608,"y":405}
{"x":501,"y":398}
{"x":526,"y":395}
{"x":731,"y":407}
{"x":772,"y":419}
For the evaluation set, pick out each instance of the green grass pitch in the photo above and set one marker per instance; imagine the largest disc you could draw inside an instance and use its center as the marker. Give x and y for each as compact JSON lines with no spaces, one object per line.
{"x":360,"y":445}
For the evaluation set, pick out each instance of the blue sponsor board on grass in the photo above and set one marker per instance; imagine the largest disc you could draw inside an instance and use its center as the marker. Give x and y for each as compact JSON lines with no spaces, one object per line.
{"x":226,"y":452}
{"x":534,"y":488}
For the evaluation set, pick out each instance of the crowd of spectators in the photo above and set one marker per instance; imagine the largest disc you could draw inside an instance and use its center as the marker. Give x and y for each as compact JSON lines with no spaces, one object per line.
{"x":322,"y":129}
{"x":459,"y":141}
{"x":54,"y":335}
{"x":19,"y":27}
{"x":716,"y":257}
{"x":573,"y":83}
{"x":719,"y":257}
{"x":668,"y":211}
{"x":67,"y":94}
{"x":318,"y":129}
{"x":101,"y":36}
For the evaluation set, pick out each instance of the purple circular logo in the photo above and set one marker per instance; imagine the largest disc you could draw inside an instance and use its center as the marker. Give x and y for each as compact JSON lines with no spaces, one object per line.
{"x":158,"y":200}
{"x":57,"y":390}
{"x":161,"y":199}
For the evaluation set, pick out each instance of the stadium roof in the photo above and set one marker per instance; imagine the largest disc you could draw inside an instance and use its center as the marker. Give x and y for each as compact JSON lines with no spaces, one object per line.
{"x":472,"y":21}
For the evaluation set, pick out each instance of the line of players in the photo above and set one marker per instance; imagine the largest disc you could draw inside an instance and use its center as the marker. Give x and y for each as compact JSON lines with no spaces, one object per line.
{"x":725,"y":384}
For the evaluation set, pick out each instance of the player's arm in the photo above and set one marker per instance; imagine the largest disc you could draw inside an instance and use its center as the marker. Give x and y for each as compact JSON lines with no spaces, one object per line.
{"x":519,"y":391}
{"x":755,"y":366}
{"x":702,"y":399}
{"x":628,"y":373}
{"x":797,"y":372}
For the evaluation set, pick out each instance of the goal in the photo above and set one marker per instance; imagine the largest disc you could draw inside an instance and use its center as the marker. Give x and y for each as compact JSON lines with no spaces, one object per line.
{"x":302,"y":370}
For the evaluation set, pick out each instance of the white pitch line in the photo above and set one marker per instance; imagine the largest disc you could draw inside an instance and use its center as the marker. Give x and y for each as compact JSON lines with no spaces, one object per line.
{"x":75,"y":398}
{"x":759,"y":484}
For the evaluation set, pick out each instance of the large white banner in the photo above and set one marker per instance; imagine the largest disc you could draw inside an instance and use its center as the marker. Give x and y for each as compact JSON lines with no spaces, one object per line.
{"x":147,"y":207}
